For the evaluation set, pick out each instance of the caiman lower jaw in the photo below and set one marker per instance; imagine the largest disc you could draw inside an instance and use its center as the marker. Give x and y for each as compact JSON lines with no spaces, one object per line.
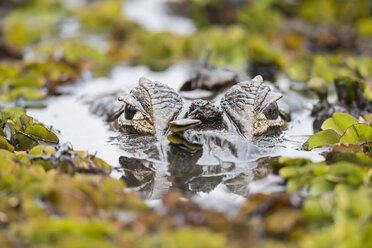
{"x":139,"y":123}
{"x":142,"y":126}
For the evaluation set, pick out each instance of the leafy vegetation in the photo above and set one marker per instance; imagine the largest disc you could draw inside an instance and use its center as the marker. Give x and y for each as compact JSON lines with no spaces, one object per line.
{"x":54,"y":196}
{"x":260,"y":34}
{"x":342,"y":128}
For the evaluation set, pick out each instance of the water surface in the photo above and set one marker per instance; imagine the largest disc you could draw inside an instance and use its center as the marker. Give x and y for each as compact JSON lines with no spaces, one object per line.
{"x":216,"y":185}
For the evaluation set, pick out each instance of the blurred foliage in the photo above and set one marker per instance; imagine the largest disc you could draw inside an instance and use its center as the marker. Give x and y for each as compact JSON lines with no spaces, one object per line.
{"x":322,"y":38}
{"x":333,"y":11}
{"x":107,"y":15}
{"x":160,"y":50}
{"x":338,"y":190}
{"x":54,"y":196}
{"x":260,"y":16}
{"x":227,"y":45}
{"x":29,"y":23}
{"x":302,"y":39}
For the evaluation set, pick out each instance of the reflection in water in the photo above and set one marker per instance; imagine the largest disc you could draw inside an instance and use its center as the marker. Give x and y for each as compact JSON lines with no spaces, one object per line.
{"x":197,"y":158}
{"x":153,"y":174}
{"x":183,"y":167}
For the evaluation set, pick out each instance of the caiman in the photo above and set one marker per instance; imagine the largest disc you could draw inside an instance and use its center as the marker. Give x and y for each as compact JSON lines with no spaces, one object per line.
{"x":157,"y":126}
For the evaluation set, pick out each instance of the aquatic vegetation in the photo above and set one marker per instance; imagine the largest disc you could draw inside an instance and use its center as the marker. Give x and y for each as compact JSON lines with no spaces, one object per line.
{"x":341,"y":128}
{"x":35,"y":144}
{"x":252,"y":38}
{"x":160,"y":50}
{"x":345,"y":12}
{"x":107,"y":15}
{"x":30,"y":193}
{"x":29,"y":23}
{"x":21,"y":132}
{"x":54,"y":196}
{"x":41,"y":205}
{"x":260,"y":16}
{"x":338,"y":195}
{"x":363,"y":27}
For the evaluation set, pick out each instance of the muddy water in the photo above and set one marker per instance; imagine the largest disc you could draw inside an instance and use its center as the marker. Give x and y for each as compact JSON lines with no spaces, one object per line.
{"x":216,"y":187}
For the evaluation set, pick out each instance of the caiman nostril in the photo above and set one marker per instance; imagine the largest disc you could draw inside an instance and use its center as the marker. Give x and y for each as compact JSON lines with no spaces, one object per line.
{"x":204,"y":111}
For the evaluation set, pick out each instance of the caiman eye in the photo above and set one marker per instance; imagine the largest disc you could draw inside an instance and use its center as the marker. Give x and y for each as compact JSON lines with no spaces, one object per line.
{"x":272,"y":111}
{"x":130,"y":111}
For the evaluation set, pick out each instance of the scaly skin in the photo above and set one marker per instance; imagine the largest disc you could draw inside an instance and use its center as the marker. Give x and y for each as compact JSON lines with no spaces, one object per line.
{"x":247,"y":104}
{"x":158,"y":104}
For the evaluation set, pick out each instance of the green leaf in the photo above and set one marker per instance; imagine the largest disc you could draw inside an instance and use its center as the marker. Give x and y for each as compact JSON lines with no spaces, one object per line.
{"x":357,"y":133}
{"x":313,"y":209}
{"x":293,"y":161}
{"x":316,"y":169}
{"x":24,"y":142}
{"x":330,"y":123}
{"x":37,"y":150}
{"x":295,"y":183}
{"x":42,"y":150}
{"x":26,"y":120}
{"x":323,"y":68}
{"x":297,"y":70}
{"x":4,"y":144}
{"x":29,"y":80}
{"x":321,"y":186}
{"x":288,"y":172}
{"x":325,"y":137}
{"x":24,"y":26}
{"x":344,"y":120}
{"x":28,"y":93}
{"x":346,"y":172}
{"x":339,"y":122}
{"x":13,"y":127}
{"x":364,"y":27}
{"x":13,"y":112}
{"x":39,"y":132}
{"x":318,"y":85}
{"x":46,"y":164}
